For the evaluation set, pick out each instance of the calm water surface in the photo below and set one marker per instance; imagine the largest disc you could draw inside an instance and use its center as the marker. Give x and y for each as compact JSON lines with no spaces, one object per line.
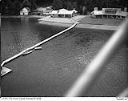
{"x":52,"y":70}
{"x":21,"y":33}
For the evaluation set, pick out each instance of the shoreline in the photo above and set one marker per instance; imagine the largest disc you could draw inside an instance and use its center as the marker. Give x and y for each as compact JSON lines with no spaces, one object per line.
{"x":84,"y":22}
{"x":29,"y":16}
{"x":88,"y":26}
{"x":68,"y":24}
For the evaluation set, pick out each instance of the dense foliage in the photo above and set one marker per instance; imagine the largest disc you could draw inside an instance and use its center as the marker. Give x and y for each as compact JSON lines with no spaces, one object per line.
{"x":12,"y":7}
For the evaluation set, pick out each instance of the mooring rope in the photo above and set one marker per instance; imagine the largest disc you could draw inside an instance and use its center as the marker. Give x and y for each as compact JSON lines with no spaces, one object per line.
{"x":30,"y":49}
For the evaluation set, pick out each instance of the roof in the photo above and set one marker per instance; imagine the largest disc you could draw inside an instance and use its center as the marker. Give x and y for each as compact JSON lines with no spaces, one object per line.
{"x":54,"y":12}
{"x":64,"y":11}
{"x":25,"y":9}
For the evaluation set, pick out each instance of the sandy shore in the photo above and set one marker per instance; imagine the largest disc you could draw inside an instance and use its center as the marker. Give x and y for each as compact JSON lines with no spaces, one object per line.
{"x":84,"y":22}
{"x":101,"y":27}
{"x":89,"y":26}
{"x":62,"y":20}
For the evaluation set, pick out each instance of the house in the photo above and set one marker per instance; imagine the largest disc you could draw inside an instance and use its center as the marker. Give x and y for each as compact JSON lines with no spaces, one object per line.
{"x":47,"y":10}
{"x":42,"y":11}
{"x":25,"y":11}
{"x":54,"y":13}
{"x":38,"y":11}
{"x":63,"y":13}
{"x":109,"y":13}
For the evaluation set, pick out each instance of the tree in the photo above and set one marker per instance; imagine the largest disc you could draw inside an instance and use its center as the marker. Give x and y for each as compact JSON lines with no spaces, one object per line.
{"x":33,"y":4}
{"x":12,"y":7}
{"x":58,"y":4}
{"x":26,"y":3}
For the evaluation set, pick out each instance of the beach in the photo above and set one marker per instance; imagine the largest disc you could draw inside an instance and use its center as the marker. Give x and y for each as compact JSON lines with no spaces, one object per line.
{"x":88,"y":26}
{"x":84,"y":22}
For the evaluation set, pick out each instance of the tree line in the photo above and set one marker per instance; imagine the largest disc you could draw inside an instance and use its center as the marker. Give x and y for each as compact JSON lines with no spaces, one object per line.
{"x":13,"y":7}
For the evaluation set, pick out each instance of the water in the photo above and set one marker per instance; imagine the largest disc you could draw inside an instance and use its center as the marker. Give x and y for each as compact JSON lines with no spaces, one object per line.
{"x":21,"y":33}
{"x":52,"y":70}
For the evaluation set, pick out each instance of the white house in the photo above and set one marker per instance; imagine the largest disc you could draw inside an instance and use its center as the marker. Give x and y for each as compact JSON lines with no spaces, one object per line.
{"x":54,"y":13}
{"x":67,"y":13}
{"x":44,"y":10}
{"x":63,"y":13}
{"x":110,"y":12}
{"x":25,"y":11}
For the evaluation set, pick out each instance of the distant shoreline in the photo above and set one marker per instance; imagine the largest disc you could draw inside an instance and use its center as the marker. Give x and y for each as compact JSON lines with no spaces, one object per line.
{"x":88,"y":26}
{"x":29,"y":16}
{"x":82,"y":24}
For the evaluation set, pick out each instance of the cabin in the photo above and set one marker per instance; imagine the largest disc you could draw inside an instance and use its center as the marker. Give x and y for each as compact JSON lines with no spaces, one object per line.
{"x":63,"y":13}
{"x":47,"y":10}
{"x":25,"y":11}
{"x":42,"y":11}
{"x":109,"y":13}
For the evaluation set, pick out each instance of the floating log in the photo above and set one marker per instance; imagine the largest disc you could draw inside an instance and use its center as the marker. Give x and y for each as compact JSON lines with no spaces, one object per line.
{"x":30,"y":49}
